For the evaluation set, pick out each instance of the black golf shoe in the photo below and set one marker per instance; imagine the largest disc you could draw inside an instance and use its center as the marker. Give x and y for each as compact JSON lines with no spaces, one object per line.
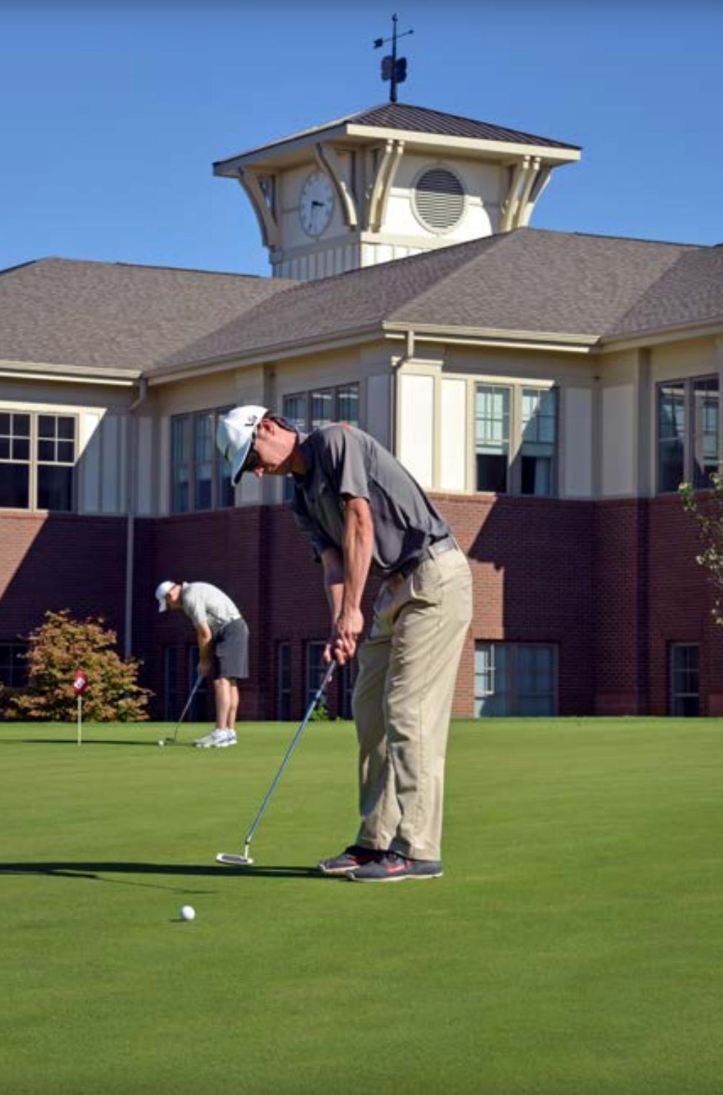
{"x":393,"y":867}
{"x":352,"y":857}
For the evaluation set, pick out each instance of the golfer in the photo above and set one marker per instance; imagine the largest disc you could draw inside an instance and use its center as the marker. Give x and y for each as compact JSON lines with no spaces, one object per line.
{"x":223,"y":648}
{"x":362,"y":512}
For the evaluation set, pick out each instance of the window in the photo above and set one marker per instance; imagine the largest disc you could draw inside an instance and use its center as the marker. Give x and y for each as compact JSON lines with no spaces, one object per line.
{"x":492,"y":437}
{"x":283,"y":703}
{"x":516,"y":439}
{"x":13,"y":666}
{"x":515,"y":679}
{"x":198,"y":709}
{"x":315,"y":668}
{"x":684,"y":680}
{"x":537,"y":450}
{"x":308,"y":411}
{"x":689,"y":433}
{"x":171,"y":705}
{"x":312,"y":410}
{"x":200,"y":476}
{"x":347,"y":680}
{"x":37,"y":460}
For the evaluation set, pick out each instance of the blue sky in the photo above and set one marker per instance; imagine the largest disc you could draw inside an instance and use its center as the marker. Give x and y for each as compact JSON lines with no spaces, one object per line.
{"x":111,"y":115}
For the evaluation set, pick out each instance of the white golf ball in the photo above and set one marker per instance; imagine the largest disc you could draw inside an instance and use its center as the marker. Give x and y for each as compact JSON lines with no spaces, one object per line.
{"x":161,"y":743}
{"x":187,"y":912}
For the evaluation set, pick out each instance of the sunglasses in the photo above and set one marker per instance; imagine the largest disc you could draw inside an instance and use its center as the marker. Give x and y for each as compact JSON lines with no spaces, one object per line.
{"x":253,"y":459}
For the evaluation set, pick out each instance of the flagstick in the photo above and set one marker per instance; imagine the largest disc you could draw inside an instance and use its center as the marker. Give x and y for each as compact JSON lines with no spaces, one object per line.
{"x":80,"y":704}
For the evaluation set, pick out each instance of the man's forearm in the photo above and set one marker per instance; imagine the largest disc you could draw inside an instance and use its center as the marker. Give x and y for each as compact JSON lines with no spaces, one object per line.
{"x":358,"y":546}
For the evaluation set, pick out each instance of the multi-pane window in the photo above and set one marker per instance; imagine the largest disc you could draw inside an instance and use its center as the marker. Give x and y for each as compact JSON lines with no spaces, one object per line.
{"x":705,"y":426}
{"x":37,"y":460}
{"x":537,"y":450}
{"x":197,"y":710}
{"x":492,"y":437}
{"x":689,"y":432}
{"x":515,"y":439}
{"x":171,"y":706}
{"x":308,"y":411}
{"x":312,"y":410}
{"x":283,"y":700}
{"x":684,"y":680}
{"x":347,"y":678}
{"x":514,"y":679}
{"x":315,"y":668}
{"x":200,"y":476}
{"x":13,"y":666}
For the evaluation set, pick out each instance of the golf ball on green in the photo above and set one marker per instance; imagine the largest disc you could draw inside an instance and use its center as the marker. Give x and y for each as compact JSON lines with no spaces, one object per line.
{"x":161,"y":743}
{"x":188,"y":912}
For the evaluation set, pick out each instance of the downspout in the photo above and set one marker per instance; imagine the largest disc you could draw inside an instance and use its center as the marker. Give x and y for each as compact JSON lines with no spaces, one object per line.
{"x":394,"y":415}
{"x":131,"y":501}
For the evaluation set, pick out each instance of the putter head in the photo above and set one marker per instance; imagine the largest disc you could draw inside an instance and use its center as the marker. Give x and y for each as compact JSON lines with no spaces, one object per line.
{"x":234,"y":860}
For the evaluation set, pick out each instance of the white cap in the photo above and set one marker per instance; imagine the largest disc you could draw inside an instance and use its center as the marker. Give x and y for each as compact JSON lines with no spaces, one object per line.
{"x":234,"y":434}
{"x":163,"y":589}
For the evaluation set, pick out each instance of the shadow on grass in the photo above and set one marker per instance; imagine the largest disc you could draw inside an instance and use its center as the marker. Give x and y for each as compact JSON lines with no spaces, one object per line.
{"x":94,"y":741}
{"x":96,"y":871}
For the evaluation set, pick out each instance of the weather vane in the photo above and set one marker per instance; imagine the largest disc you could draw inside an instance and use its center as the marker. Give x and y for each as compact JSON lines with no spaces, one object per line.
{"x":393,"y":69}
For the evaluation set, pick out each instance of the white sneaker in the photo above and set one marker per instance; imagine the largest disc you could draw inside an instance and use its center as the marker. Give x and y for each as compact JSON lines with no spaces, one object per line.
{"x":229,"y":738}
{"x":217,"y":739}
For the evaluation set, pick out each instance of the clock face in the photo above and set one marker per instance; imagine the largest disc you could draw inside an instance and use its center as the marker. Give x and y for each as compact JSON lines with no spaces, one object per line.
{"x":317,"y":204}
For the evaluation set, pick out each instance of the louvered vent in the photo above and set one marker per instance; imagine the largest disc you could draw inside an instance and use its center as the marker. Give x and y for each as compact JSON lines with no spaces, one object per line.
{"x":439,"y":199}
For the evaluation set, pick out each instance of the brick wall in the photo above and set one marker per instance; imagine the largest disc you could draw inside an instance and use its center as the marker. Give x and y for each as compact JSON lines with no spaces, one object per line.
{"x":612,"y":584}
{"x":55,"y":561}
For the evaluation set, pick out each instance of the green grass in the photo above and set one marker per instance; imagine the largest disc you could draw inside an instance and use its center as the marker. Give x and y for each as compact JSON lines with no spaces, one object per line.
{"x":574,"y":946}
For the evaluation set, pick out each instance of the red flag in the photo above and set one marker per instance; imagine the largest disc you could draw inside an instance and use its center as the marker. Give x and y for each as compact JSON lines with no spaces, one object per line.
{"x":80,"y":683}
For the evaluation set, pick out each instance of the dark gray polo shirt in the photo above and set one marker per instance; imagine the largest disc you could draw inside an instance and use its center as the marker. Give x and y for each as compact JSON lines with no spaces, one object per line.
{"x":343,"y":461}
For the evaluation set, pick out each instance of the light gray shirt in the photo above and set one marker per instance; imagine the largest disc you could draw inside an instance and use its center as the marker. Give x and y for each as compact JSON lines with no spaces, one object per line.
{"x":344,"y":462}
{"x":205,"y":604}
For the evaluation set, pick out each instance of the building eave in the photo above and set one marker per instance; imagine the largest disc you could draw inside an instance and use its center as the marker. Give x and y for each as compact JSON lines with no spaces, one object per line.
{"x":279,"y":351}
{"x":678,"y":332}
{"x":497,"y":337}
{"x":300,"y":147}
{"x":69,"y":374}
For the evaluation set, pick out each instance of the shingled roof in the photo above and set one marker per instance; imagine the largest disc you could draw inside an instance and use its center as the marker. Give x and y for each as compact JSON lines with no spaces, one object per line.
{"x":528,"y":280}
{"x":113,"y":315}
{"x":538,"y":282}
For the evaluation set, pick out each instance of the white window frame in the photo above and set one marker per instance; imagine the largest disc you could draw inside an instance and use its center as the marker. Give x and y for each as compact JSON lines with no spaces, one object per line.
{"x":218,"y":463}
{"x":689,"y":432}
{"x":515,"y":452}
{"x":34,"y":463}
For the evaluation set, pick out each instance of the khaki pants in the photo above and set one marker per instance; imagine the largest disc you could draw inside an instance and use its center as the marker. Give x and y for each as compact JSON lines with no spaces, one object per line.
{"x":402,"y":702}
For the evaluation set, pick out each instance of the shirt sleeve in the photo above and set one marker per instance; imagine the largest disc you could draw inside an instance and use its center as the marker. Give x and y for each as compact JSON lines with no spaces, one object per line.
{"x":345,"y":462}
{"x":319,"y":541}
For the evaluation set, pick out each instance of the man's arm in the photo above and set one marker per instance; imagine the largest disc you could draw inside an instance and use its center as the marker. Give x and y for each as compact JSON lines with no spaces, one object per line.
{"x":205,"y":649}
{"x":345,"y":578}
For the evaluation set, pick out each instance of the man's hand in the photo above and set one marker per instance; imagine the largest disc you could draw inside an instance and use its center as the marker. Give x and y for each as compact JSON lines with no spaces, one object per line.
{"x":343,"y":642}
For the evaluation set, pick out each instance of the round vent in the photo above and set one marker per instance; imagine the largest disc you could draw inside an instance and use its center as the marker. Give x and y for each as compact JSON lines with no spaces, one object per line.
{"x":439,"y":199}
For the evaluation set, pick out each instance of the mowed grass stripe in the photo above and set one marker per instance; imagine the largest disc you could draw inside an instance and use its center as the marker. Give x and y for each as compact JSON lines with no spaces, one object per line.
{"x":574,"y":945}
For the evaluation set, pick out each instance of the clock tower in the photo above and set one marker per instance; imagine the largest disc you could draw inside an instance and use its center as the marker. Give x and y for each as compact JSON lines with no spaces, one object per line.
{"x":387,"y":183}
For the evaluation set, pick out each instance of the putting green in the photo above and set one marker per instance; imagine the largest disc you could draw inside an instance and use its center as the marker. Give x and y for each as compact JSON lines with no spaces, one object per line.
{"x":572,"y":948}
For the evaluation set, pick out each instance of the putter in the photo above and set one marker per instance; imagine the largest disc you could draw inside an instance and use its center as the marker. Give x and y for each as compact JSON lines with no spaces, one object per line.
{"x":189,"y":701}
{"x":245,"y":860}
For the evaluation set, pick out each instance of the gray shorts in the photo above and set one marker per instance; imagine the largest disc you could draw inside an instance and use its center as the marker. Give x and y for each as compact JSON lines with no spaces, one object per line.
{"x":231,"y":651}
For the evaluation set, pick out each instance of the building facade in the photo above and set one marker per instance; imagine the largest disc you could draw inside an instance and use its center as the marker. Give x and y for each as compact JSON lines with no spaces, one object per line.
{"x":550,"y":391}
